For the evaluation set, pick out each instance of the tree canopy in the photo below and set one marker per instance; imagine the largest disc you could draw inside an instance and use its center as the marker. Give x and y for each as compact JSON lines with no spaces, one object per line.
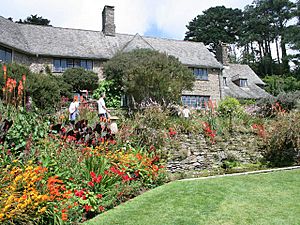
{"x":36,"y":20}
{"x":254,"y":30}
{"x":215,"y":24}
{"x":145,"y":74}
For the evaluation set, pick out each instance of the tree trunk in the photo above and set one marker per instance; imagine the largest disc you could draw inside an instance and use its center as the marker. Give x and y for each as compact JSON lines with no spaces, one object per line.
{"x":277,"y":50}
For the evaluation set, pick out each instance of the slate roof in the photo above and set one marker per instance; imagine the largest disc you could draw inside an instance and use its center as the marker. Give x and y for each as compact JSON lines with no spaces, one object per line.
{"x":253,"y":91}
{"x":65,"y":42}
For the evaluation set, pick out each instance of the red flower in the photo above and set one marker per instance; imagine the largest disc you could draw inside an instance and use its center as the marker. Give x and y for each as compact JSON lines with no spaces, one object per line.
{"x":101,"y":208}
{"x":79,"y":193}
{"x":126,"y":178}
{"x":91,"y":184}
{"x":87,"y":208}
{"x":93,"y":175}
{"x":172,"y":132}
{"x":97,"y":179}
{"x":4,"y":68}
{"x":99,"y":196}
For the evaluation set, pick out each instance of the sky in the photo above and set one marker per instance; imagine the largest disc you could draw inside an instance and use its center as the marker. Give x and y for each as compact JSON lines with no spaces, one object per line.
{"x":158,"y":18}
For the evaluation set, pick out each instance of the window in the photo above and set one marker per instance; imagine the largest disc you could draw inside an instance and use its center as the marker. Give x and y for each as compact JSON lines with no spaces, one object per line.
{"x":243,"y":83}
{"x":5,"y":55}
{"x":200,"y":73}
{"x":195,"y":101}
{"x":225,"y":82}
{"x":61,"y":65}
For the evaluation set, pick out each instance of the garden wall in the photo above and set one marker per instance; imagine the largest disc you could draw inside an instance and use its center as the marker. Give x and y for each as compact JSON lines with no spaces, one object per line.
{"x":194,"y":152}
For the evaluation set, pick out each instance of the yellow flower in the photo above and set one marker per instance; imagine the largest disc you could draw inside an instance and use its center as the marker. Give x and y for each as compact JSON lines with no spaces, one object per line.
{"x":42,"y":210}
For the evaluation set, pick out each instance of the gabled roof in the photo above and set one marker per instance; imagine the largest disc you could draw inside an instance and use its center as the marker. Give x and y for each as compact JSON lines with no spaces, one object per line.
{"x":137,"y":42}
{"x":233,"y":71}
{"x":65,"y":42}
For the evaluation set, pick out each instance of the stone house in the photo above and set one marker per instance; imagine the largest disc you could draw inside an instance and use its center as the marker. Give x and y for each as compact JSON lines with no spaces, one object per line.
{"x":56,"y":49}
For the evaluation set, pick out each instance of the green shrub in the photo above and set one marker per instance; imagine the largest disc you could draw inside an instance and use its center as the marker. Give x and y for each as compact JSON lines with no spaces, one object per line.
{"x":283,"y":140}
{"x":27,"y":129}
{"x":230,"y":108}
{"x":81,"y":79}
{"x":145,"y":74}
{"x":277,"y":84}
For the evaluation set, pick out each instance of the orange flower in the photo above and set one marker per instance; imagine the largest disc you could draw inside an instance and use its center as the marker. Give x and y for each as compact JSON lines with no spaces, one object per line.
{"x":64,"y":216}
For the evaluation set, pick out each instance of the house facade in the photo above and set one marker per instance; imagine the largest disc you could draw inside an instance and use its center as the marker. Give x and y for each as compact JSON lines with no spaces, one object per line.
{"x":44,"y":48}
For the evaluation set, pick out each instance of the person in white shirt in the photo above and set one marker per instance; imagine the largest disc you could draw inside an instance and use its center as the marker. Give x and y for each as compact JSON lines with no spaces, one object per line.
{"x":186,"y":112}
{"x":102,"y":110}
{"x":73,"y":110}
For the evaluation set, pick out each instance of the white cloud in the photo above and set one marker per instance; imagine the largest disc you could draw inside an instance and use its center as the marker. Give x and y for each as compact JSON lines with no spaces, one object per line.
{"x":131,"y":16}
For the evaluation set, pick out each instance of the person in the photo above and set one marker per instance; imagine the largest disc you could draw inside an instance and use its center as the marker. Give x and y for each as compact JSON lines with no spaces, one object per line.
{"x":186,"y":112}
{"x":73,"y":110}
{"x":102,"y":110}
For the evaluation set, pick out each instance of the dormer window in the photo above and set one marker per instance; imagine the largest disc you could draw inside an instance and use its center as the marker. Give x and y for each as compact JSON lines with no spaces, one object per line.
{"x":243,"y":83}
{"x":200,"y":73}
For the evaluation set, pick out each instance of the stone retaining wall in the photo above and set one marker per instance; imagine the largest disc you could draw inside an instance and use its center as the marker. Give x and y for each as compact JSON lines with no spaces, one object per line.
{"x":194,"y":152}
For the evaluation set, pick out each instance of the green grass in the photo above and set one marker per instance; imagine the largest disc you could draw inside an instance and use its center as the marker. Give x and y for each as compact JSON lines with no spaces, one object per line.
{"x":272,"y":198}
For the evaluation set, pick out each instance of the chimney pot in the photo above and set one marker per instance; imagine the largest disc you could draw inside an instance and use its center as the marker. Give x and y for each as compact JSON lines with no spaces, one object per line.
{"x":222,"y":54}
{"x":108,"y":21}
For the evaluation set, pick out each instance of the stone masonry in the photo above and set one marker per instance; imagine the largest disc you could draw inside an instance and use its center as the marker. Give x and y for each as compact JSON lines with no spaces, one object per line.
{"x":210,"y":87}
{"x":194,"y":152}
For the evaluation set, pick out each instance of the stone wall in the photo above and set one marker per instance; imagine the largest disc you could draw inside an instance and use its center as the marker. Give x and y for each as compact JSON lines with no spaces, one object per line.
{"x":210,"y":87}
{"x":194,"y":152}
{"x":39,"y":64}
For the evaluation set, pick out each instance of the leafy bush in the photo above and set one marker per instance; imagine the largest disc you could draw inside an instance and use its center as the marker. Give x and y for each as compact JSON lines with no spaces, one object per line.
{"x":146,"y":74}
{"x":27,"y":128}
{"x":287,"y":101}
{"x":113,"y":95}
{"x":277,"y":84}
{"x":283,"y":140}
{"x":229,"y":108}
{"x":81,"y":79}
{"x":45,"y":91}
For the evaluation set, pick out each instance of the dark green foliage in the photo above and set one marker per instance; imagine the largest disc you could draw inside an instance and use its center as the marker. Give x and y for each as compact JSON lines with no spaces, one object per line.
{"x":27,"y":128}
{"x":36,"y":20}
{"x":214,"y":25}
{"x":278,"y":84}
{"x":13,"y":71}
{"x":45,"y":91}
{"x":260,"y":25}
{"x":81,"y":79}
{"x":144,"y":74}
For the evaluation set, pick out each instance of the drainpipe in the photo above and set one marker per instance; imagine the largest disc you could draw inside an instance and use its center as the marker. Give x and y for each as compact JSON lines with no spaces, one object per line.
{"x":221,"y":83}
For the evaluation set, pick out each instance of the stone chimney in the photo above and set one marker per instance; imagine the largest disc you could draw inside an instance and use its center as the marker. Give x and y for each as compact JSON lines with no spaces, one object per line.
{"x":222,"y":53}
{"x":108,"y":21}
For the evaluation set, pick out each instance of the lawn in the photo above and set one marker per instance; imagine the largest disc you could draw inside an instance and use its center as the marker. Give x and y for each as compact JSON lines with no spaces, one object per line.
{"x":271,"y":198}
